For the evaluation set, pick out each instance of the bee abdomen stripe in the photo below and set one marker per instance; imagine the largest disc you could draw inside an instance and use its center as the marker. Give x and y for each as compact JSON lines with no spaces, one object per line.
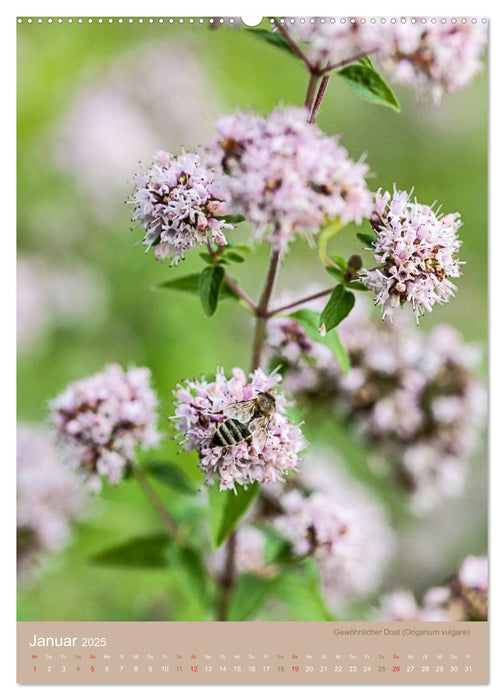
{"x":217,"y":439}
{"x":240,"y":432}
{"x":226,"y":434}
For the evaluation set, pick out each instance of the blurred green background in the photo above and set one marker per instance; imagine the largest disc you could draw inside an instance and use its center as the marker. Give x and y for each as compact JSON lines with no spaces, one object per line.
{"x":74,"y":163}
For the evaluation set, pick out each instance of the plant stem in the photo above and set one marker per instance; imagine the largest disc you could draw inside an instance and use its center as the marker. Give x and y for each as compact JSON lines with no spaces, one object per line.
{"x":310,"y":92}
{"x":304,"y":300}
{"x":262,"y":309}
{"x":231,"y":283}
{"x":297,"y":50}
{"x":228,"y":578}
{"x":318,"y":99}
{"x":323,"y":240}
{"x":239,"y":291}
{"x":156,"y":502}
{"x":347,"y":61}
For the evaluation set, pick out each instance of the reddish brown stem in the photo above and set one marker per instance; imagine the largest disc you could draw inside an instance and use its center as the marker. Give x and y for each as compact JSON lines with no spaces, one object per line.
{"x":262,"y":309}
{"x":297,"y":49}
{"x":347,"y":61}
{"x":292,"y":305}
{"x":227,"y":580}
{"x":318,"y":99}
{"x":232,"y":284}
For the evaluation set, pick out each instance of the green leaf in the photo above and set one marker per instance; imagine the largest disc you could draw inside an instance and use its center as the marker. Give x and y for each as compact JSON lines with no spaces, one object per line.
{"x":335,"y":272}
{"x":190,"y":284}
{"x":276,"y":549}
{"x":368,"y":238}
{"x":250,"y":593}
{"x":309,"y":320}
{"x":357,"y":286}
{"x":299,"y":591}
{"x":188,"y":566}
{"x":232,"y":218}
{"x":367,"y":83}
{"x":150,"y":551}
{"x":234,"y":256}
{"x":171,"y":475}
{"x":339,"y":261}
{"x":275,"y":39}
{"x":227,"y":508}
{"x":210,"y":284}
{"x":338,"y":307}
{"x":366,"y":61}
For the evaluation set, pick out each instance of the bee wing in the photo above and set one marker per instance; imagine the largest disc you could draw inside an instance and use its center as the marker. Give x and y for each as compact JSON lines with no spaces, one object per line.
{"x":241,"y":410}
{"x":259,"y":430}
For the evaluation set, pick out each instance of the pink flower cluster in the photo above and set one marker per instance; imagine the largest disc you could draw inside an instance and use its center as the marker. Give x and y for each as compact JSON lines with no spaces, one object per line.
{"x":340,"y":525}
{"x":464,"y":597}
{"x":50,"y":497}
{"x":401,"y":606}
{"x":432,"y":56}
{"x":416,"y":254}
{"x":284,"y":172}
{"x":330,"y":40}
{"x":178,"y":202}
{"x":199,"y":406}
{"x":415,"y":397}
{"x":103,"y":418}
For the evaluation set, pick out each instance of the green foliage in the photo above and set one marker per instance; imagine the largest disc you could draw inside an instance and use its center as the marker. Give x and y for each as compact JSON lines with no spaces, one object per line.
{"x":191,"y":285}
{"x":274,"y":39}
{"x":339,"y":261}
{"x":171,"y":475}
{"x":249,"y":594}
{"x":340,"y":303}
{"x":368,"y":238}
{"x":367,"y":83}
{"x":299,"y":590}
{"x":226,"y":509}
{"x":150,"y":551}
{"x":188,"y":564}
{"x":309,"y":320}
{"x":210,"y":284}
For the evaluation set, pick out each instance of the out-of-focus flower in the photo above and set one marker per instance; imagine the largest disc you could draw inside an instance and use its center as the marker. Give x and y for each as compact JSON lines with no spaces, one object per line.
{"x":49,"y":295}
{"x":177,"y":202}
{"x":309,"y":368}
{"x":340,"y":525}
{"x":126,"y":112}
{"x":330,"y":40}
{"x":282,"y":171}
{"x":199,"y":412}
{"x":249,"y":554}
{"x":464,"y":597}
{"x":102,"y":419}
{"x":414,"y":396}
{"x":418,"y":398}
{"x":416,"y":253}
{"x":433,"y":57}
{"x":401,"y":606}
{"x":473,"y":573}
{"x":50,"y":497}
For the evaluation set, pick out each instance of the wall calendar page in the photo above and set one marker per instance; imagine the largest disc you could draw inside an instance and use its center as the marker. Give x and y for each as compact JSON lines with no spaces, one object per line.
{"x":252,"y":350}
